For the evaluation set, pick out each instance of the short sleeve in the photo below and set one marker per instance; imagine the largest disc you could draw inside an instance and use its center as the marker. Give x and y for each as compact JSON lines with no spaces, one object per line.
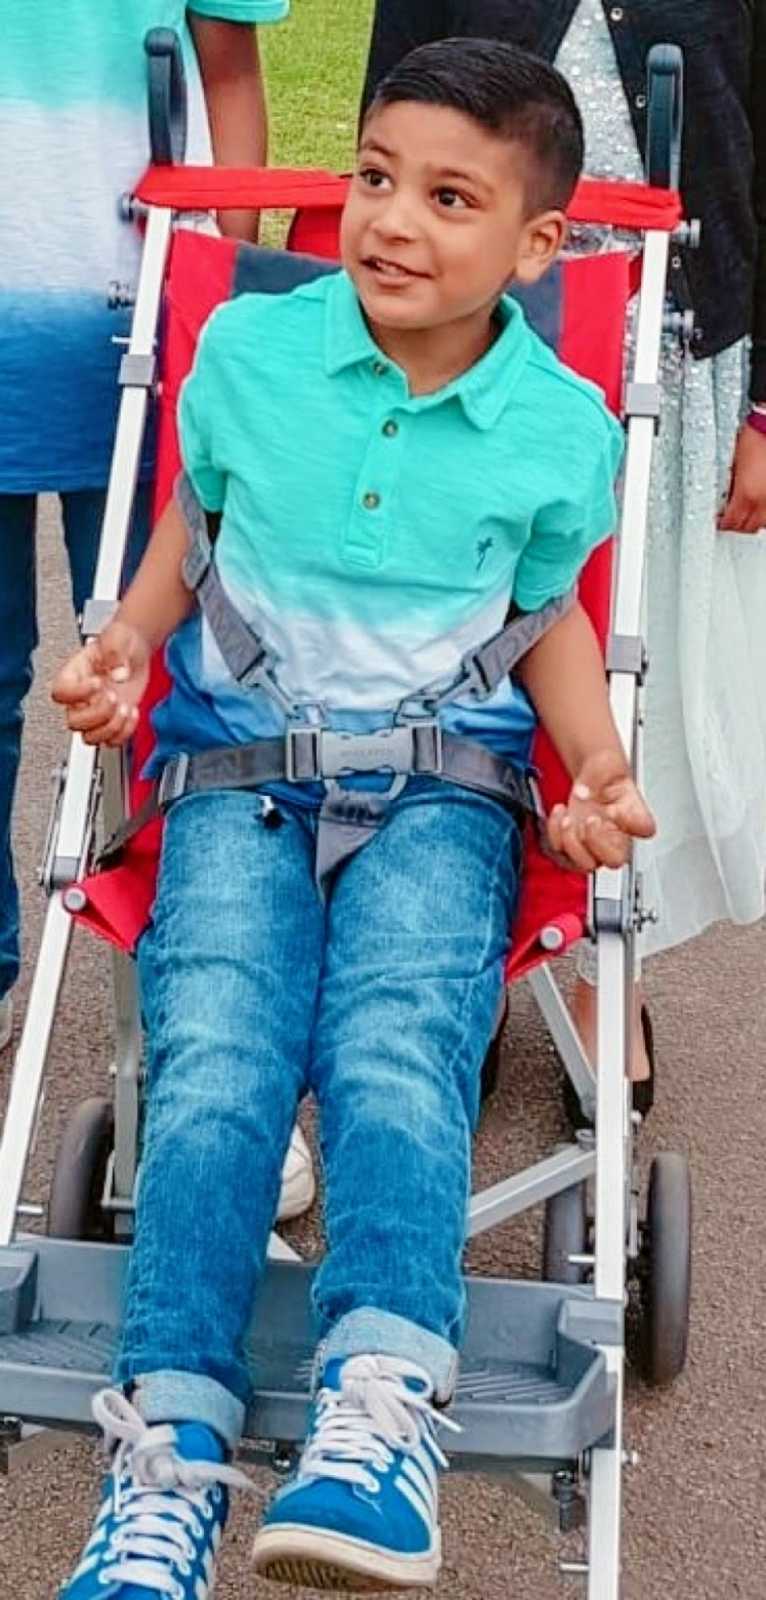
{"x":251,"y":11}
{"x":566,"y":530}
{"x":197,"y":406}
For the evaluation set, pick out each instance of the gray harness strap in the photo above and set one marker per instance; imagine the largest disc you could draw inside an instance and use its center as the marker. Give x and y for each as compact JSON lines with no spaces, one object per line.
{"x":249,"y":766}
{"x":243,"y":650}
{"x":414,"y":744}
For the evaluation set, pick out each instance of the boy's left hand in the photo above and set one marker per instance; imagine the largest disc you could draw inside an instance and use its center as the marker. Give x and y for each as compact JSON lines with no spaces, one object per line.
{"x":605,"y":810}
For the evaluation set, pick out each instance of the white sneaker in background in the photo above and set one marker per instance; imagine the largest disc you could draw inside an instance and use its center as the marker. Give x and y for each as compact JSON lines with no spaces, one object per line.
{"x":298,"y":1181}
{"x":6,"y":1021}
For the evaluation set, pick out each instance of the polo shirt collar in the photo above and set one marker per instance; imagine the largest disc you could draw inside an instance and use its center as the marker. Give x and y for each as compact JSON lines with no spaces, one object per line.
{"x":483,"y":390}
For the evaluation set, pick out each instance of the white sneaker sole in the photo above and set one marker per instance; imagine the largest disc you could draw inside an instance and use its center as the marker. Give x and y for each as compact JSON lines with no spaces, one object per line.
{"x":321,"y":1559}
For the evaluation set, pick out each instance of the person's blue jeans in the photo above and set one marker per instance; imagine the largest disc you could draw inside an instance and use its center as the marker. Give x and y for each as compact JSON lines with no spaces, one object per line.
{"x":83,"y":513}
{"x":382,"y":1000}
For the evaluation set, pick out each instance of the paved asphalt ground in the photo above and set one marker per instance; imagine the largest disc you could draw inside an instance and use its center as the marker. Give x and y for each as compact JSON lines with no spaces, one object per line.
{"x":695,"y":1505}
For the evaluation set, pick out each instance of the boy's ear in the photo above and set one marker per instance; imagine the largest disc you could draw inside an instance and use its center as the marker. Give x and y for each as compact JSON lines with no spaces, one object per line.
{"x":541,"y":240}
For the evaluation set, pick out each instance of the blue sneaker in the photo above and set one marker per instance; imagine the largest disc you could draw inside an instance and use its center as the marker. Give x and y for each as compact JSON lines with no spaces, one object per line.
{"x":361,"y":1512}
{"x":163,"y":1510}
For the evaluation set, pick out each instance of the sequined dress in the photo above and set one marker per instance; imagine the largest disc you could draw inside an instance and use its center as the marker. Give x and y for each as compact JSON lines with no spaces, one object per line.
{"x":705,"y":736}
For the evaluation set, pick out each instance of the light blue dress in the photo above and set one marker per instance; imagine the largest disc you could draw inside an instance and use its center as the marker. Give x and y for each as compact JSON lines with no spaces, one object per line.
{"x":705,"y":736}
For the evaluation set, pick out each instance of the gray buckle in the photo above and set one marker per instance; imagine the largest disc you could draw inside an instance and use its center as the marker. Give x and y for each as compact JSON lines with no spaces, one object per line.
{"x":172,"y":784}
{"x":303,"y":757}
{"x":406,"y":748}
{"x":427,"y":747}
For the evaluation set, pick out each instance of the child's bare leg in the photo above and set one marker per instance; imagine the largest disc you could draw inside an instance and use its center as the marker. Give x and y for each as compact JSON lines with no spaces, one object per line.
{"x":585,"y":1013}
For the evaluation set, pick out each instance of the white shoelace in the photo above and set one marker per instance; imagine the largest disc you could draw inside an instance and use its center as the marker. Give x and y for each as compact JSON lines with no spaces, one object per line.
{"x":373,"y":1414}
{"x":152,"y":1543}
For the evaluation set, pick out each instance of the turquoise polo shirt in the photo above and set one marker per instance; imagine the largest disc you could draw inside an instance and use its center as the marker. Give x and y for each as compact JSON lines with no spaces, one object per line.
{"x":372,"y":537}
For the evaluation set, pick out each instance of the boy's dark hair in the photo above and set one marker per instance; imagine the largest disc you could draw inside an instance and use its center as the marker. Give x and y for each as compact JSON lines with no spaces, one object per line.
{"x":510,"y":93}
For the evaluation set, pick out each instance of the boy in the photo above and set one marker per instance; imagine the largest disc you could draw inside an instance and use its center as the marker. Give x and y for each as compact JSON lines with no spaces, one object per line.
{"x":392,"y":455}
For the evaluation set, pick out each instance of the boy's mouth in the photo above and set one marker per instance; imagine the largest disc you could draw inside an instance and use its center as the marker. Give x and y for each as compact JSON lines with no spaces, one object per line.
{"x":393,"y":271}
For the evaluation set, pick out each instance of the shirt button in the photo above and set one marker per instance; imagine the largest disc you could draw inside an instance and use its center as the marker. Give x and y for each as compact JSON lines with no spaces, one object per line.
{"x":641,"y":101}
{"x":617,"y":13}
{"x":379,"y":368}
{"x":390,"y":428}
{"x":371,"y":501}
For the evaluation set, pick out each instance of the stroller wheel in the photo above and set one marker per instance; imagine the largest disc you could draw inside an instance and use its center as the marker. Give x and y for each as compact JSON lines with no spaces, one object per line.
{"x":74,"y":1207}
{"x":565,"y":1234}
{"x":666,"y":1269}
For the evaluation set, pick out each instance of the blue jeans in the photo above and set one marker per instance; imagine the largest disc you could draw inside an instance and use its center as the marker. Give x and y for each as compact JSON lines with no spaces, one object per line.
{"x":382,"y":1001}
{"x":83,"y":512}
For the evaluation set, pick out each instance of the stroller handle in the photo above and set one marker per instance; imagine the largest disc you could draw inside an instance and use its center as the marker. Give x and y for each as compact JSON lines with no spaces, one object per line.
{"x":167,"y":96}
{"x":665,"y":115}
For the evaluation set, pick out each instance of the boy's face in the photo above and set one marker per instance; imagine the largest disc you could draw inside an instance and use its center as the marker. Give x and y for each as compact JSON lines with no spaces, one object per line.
{"x":436,"y":223}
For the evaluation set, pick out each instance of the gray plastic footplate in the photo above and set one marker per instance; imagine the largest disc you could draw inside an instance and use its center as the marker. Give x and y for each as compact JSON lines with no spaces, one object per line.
{"x":533,"y":1385}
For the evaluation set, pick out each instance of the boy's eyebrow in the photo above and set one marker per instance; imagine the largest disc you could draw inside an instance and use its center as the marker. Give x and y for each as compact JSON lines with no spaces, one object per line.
{"x":375,"y":144}
{"x":443,"y":174}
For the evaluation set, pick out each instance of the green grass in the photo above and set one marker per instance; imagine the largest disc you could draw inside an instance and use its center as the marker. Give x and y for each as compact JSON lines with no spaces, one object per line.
{"x":314,"y":67}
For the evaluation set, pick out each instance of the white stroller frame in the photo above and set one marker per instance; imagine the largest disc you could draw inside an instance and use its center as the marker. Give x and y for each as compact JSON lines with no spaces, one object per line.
{"x":40,"y":1279}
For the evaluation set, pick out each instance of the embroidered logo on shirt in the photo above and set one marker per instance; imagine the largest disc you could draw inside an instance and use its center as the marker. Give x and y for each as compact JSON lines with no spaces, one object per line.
{"x":483,"y":547}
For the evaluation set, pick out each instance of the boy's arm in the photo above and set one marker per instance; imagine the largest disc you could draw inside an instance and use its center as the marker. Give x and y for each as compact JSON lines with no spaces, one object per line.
{"x":564,"y":676}
{"x":230,"y":68}
{"x":158,"y":600}
{"x":102,"y":684}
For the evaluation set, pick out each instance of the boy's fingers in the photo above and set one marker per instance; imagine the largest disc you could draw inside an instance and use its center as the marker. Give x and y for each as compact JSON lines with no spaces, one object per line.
{"x":606,"y":843}
{"x":93,"y":713}
{"x":115,"y":730}
{"x":76,"y":681}
{"x":632,"y":815}
{"x":564,"y":838}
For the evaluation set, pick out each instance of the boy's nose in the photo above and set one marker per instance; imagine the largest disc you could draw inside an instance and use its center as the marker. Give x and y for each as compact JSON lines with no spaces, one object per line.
{"x":397,"y":219}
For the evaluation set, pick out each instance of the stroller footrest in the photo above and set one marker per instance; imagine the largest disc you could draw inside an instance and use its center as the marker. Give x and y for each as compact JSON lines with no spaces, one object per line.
{"x":533,"y":1391}
{"x":18,"y":1287}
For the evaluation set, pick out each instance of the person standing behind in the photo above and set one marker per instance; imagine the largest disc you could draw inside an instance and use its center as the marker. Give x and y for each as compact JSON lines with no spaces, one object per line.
{"x":73,"y":132}
{"x":705,"y":738}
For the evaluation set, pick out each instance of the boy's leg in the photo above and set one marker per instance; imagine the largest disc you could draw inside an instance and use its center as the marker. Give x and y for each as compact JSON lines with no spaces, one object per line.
{"x":417,"y":933}
{"x":229,"y":972}
{"x":18,"y":641}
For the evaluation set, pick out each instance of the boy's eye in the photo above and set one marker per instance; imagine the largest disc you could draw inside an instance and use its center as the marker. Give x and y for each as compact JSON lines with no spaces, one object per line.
{"x":451,"y":200}
{"x":373,"y":178}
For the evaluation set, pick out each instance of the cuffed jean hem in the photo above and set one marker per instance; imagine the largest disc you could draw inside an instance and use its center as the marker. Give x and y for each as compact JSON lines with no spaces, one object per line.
{"x":189,"y":1397}
{"x":370,"y":1332}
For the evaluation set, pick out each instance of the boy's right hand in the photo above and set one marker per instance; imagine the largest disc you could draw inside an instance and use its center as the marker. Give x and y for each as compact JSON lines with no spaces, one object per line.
{"x":102,"y":685}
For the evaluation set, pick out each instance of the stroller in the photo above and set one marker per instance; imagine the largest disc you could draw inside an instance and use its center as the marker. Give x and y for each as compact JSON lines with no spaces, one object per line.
{"x":540,"y":1392}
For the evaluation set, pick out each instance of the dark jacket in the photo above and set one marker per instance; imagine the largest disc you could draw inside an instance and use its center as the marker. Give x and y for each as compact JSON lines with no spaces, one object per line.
{"x":723,"y":177}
